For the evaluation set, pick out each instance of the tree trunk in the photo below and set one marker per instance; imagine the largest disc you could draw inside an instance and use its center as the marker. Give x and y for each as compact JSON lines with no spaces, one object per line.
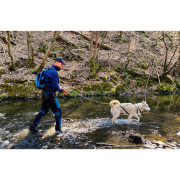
{"x":95,"y":49}
{"x":28,"y":45}
{"x":9,"y":50}
{"x":166,"y":55}
{"x":178,"y":61}
{"x":91,"y":45}
{"x":30,"y":48}
{"x":128,"y":52}
{"x":56,"y":34}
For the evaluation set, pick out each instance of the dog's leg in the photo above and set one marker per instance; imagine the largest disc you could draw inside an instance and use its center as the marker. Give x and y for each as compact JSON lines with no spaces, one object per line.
{"x":115,"y":113}
{"x":137,"y":117}
{"x":114,"y":118}
{"x":129,"y":118}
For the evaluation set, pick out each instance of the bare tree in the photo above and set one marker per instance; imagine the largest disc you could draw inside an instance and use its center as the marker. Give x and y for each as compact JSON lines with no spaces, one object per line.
{"x":128,"y":52}
{"x":166,"y":67}
{"x":55,"y":35}
{"x":91,"y":45}
{"x":30,"y":48}
{"x":92,"y":52}
{"x":95,"y":49}
{"x":1,"y":45}
{"x":178,"y":61}
{"x":9,"y":50}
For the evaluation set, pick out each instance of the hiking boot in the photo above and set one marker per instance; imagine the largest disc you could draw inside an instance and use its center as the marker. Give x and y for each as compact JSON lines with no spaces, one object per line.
{"x":59,"y":131}
{"x":33,"y":129}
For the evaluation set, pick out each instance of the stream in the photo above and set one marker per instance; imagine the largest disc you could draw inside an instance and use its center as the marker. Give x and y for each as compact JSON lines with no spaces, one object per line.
{"x":86,"y":124}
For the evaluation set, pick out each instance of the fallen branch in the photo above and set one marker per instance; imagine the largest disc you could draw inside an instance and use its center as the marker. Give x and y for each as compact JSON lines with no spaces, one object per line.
{"x":94,"y":42}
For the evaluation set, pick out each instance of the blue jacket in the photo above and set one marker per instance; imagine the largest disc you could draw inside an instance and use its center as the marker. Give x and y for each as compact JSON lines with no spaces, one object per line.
{"x":52,"y":80}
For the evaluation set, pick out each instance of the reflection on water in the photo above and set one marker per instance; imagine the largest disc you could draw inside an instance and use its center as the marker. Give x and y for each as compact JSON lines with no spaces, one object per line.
{"x":85,"y":123}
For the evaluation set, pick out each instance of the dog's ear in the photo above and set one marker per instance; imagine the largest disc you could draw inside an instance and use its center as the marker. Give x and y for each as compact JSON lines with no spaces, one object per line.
{"x":143,"y":102}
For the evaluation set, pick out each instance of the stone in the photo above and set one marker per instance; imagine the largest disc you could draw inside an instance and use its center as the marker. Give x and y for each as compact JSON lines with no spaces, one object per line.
{"x":170,"y":139}
{"x":150,"y":146}
{"x":178,"y":134}
{"x":135,"y":138}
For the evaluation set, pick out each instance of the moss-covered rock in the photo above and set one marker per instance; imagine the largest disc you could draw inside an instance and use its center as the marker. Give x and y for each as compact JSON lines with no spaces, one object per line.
{"x":119,"y":89}
{"x":166,"y":87}
{"x":14,"y":90}
{"x":86,"y":87}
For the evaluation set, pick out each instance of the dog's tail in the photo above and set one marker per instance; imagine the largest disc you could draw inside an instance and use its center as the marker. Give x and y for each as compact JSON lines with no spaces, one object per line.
{"x":113,"y":103}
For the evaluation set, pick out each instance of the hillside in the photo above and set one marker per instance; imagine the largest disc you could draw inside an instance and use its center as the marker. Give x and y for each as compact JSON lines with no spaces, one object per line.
{"x":144,"y":50}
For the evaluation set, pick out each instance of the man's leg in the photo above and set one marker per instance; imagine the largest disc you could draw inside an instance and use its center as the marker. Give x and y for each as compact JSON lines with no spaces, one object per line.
{"x":43,"y":112}
{"x":55,"y":107}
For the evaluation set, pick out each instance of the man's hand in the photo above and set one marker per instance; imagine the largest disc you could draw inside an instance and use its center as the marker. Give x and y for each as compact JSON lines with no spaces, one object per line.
{"x":65,"y":92}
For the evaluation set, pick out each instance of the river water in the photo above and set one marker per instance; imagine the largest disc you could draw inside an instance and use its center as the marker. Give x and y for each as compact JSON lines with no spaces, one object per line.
{"x":86,"y":124}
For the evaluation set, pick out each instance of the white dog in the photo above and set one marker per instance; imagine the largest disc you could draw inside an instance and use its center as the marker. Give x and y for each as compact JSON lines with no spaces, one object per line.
{"x":132,"y":110}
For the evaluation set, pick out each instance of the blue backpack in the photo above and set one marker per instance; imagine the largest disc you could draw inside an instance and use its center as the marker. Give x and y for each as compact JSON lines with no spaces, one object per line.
{"x":40,"y":79}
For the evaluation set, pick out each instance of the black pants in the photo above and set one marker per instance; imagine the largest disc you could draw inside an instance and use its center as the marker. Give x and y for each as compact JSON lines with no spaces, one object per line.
{"x":49,"y":101}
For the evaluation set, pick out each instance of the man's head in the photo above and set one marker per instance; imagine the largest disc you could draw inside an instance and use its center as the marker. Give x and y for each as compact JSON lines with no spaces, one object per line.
{"x":59,"y":62}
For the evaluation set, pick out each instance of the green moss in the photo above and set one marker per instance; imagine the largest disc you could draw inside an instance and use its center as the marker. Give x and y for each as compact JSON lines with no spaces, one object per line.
{"x":114,"y":82}
{"x":120,"y":88}
{"x":73,"y":76}
{"x":104,"y":78}
{"x":3,"y":96}
{"x":106,"y":86}
{"x":42,"y":47}
{"x":144,"y":33}
{"x":14,"y":90}
{"x":114,"y":78}
{"x":102,"y":87}
{"x":144,"y":64}
{"x":70,"y":44}
{"x":96,"y":87}
{"x":2,"y":71}
{"x":20,"y":81}
{"x":86,"y":87}
{"x":166,"y":87}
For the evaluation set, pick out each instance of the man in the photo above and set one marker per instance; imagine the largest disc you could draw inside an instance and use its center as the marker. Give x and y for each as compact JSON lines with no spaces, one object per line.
{"x":49,"y":96}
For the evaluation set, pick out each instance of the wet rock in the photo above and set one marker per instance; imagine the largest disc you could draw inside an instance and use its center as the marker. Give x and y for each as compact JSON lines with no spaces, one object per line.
{"x":178,"y":134}
{"x":170,"y":139}
{"x":160,"y":144}
{"x":135,"y":138}
{"x":6,"y":143}
{"x":150,"y":146}
{"x":173,"y":144}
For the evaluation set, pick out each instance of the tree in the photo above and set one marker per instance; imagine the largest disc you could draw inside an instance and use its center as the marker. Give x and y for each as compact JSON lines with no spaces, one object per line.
{"x":178,"y":61}
{"x":92,"y":53}
{"x":128,"y":52}
{"x":9,"y":50}
{"x":55,"y":35}
{"x":166,"y":67}
{"x":30,"y":48}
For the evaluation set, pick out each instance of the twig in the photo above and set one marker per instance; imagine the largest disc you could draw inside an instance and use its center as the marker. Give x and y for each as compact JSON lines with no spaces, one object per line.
{"x":172,"y":56}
